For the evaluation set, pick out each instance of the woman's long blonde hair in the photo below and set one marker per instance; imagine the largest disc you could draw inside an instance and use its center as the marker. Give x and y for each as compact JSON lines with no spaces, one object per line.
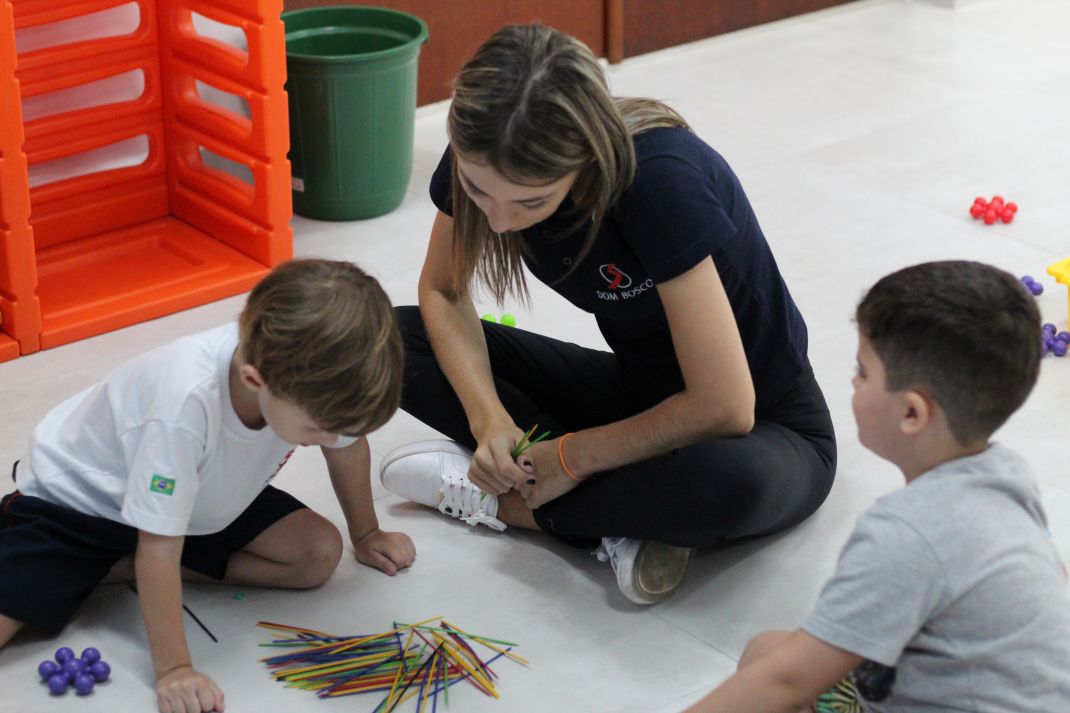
{"x":533,"y":103}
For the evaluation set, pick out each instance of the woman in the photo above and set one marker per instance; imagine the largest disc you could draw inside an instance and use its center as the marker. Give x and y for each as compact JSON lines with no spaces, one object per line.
{"x":704,"y":422}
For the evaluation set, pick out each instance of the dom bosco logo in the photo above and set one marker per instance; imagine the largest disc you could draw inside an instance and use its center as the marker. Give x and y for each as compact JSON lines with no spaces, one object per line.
{"x":162,"y":485}
{"x":620,"y":284}
{"x":617,"y":278}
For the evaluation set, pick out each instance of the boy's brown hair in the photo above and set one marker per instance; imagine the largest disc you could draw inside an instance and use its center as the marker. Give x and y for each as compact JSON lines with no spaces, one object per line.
{"x":322,"y":334}
{"x":965,"y":333}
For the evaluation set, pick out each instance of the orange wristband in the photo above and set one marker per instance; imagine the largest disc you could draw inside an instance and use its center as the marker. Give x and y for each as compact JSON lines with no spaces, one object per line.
{"x":561,"y":456}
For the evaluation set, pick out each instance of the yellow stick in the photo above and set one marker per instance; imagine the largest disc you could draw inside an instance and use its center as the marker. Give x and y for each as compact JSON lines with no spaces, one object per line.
{"x":492,"y":647}
{"x":401,"y":669}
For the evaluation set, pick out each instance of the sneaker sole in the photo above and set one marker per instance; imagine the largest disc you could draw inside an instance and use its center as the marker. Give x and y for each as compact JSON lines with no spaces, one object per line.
{"x":659,"y":569}
{"x":411,"y":449}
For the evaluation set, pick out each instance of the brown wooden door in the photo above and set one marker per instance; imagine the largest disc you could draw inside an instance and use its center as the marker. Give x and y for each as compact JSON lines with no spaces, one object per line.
{"x":650,"y":25}
{"x":458,"y":27}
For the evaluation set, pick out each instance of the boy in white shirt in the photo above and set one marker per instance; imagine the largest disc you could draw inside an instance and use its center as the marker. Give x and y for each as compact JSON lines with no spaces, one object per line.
{"x":949,"y":595}
{"x":161,"y":472}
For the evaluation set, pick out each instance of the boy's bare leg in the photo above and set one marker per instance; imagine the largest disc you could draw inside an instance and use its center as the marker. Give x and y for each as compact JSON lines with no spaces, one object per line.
{"x":299,"y":551}
{"x":121,"y":572}
{"x":8,"y":628}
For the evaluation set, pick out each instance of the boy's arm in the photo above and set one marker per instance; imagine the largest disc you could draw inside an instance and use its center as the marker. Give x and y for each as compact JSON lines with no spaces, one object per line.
{"x":350,"y":471}
{"x":157,"y":566}
{"x":787,"y":678}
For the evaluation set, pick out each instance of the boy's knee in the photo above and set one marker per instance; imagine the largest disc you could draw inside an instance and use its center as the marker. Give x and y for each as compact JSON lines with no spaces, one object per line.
{"x":322,"y":553}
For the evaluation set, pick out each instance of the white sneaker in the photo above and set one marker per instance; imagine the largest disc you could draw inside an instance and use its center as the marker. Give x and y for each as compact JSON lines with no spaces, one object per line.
{"x":647,"y":571}
{"x":435,"y":473}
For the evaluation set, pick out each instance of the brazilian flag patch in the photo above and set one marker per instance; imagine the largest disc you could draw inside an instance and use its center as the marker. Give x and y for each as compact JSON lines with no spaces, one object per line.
{"x":162,"y":485}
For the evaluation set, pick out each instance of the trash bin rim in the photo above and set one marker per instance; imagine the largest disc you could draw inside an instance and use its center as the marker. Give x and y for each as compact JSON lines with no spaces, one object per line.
{"x":421,"y":36}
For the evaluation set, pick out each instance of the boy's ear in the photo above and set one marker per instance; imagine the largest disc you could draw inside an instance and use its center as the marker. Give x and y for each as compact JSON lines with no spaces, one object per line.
{"x":250,"y":377}
{"x":918,"y":412}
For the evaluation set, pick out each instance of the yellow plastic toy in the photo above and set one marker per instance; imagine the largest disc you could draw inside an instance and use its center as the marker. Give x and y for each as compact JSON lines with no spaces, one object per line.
{"x":1061,"y":272}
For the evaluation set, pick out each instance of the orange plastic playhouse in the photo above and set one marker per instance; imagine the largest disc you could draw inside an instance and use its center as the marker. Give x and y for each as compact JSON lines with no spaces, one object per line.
{"x":128,"y":189}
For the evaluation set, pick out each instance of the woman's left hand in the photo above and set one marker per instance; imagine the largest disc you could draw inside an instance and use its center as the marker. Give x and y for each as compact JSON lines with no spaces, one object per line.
{"x":542,"y":463}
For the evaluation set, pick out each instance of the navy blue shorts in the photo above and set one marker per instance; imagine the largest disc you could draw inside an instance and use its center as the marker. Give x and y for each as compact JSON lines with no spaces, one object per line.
{"x":51,"y":557}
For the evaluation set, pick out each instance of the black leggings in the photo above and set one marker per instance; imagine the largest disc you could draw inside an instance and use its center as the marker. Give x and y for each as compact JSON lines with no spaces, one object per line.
{"x":770,"y":479}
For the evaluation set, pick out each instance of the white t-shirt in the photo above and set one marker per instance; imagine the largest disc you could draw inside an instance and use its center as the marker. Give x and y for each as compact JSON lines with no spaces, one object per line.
{"x":157,"y":444}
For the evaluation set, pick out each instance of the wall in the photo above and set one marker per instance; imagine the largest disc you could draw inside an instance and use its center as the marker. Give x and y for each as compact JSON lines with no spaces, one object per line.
{"x":612,"y":28}
{"x":458,"y":27}
{"x":655,"y":24}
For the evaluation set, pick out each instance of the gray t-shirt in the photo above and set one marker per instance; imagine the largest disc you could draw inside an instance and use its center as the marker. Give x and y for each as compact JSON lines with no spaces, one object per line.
{"x":955,"y":581}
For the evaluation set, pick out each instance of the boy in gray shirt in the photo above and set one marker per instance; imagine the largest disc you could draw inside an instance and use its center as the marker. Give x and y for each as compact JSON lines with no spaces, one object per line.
{"x":949,"y":595}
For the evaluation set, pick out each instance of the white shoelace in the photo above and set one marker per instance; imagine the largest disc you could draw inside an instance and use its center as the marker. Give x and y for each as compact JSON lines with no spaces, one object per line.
{"x":462,"y":499}
{"x":607,"y":550}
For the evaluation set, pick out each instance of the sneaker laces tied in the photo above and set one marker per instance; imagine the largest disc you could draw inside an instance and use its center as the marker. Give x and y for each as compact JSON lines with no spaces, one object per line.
{"x":462,"y":499}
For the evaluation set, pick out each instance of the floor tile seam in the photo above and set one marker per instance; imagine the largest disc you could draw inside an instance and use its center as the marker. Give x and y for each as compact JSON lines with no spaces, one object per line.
{"x":692,"y":635}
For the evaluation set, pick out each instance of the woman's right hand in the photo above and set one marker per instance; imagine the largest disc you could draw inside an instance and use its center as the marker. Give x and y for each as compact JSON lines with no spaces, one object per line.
{"x":493,"y":468}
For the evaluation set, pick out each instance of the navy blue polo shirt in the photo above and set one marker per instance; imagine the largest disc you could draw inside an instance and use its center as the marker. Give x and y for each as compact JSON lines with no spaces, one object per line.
{"x":685,"y":204}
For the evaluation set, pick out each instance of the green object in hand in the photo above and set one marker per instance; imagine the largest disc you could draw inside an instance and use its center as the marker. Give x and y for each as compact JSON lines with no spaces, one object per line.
{"x":525,"y":444}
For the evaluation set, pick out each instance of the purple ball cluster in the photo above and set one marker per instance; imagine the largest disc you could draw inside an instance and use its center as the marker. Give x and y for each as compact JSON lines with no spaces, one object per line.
{"x":1032,"y":285}
{"x":1054,"y":341}
{"x":83,"y":673}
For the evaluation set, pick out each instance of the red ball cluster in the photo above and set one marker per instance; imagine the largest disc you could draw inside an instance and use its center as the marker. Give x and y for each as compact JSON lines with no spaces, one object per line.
{"x":993,"y":210}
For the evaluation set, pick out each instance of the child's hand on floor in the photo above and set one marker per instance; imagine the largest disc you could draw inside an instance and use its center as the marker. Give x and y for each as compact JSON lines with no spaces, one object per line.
{"x":386,"y":551}
{"x":186,"y":690}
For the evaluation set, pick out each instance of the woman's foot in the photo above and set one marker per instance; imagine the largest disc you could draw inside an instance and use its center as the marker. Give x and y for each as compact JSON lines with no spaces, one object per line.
{"x":647,"y":571}
{"x":435,"y":474}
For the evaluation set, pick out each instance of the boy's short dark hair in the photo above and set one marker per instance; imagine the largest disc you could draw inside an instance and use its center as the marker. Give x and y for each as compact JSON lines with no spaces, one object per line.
{"x":966,"y":333}
{"x":322,"y":334}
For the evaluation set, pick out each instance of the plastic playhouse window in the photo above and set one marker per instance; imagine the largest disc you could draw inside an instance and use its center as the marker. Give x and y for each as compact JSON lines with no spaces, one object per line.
{"x":114,"y":22}
{"x":123,"y":154}
{"x":227,"y":34}
{"x":125,"y":87}
{"x":223,"y":100}
{"x":232,"y":168}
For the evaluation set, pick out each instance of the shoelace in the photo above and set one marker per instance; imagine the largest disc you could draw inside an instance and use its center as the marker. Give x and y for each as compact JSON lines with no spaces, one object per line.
{"x":462,"y":499}
{"x":607,"y":550}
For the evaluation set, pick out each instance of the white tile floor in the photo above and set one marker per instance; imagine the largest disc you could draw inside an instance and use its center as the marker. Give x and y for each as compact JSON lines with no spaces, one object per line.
{"x":862,"y":135}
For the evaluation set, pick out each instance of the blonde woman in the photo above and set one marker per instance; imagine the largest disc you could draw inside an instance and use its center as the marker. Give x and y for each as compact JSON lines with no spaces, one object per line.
{"x":703,"y":423}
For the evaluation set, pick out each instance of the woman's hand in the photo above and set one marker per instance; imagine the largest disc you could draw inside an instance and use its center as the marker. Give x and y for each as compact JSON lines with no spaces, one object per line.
{"x":542,"y":464}
{"x":492,"y":468}
{"x":386,"y":551}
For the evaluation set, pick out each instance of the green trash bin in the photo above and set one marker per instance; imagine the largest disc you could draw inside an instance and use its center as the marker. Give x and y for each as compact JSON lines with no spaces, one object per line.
{"x":352,"y":91}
